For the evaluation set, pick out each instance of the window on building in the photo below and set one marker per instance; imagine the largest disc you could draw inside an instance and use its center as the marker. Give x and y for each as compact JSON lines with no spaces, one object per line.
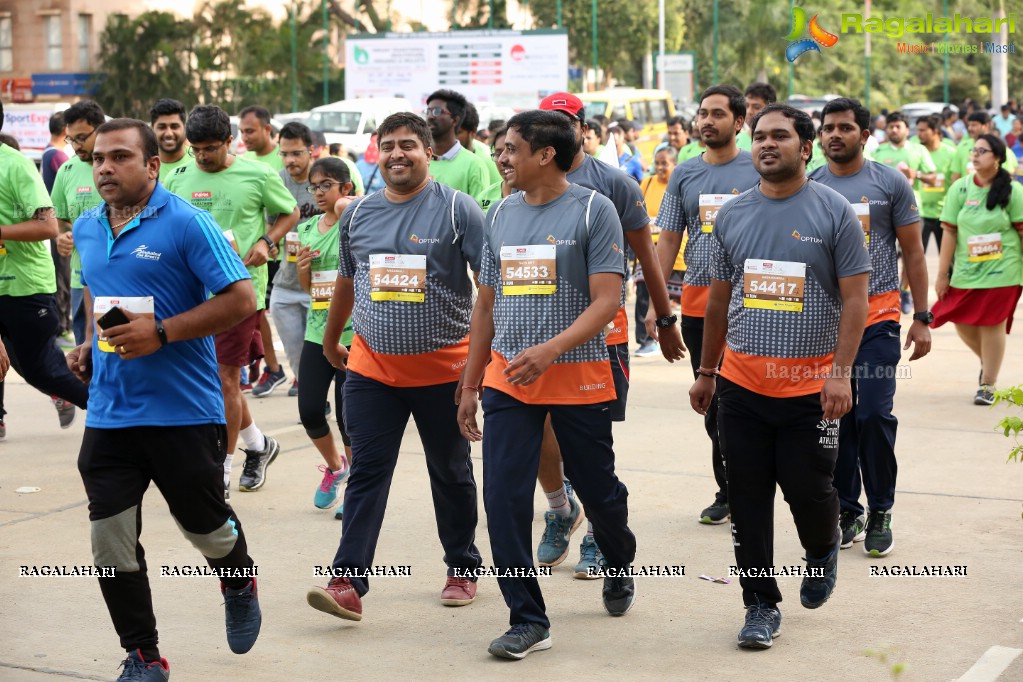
{"x":54,"y":44}
{"x":84,"y":41}
{"x":6,"y":50}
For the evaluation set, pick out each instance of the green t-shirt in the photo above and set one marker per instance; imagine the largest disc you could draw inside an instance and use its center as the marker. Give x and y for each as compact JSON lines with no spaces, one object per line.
{"x":353,"y":171}
{"x":932,"y":199}
{"x":167,"y":168}
{"x":744,"y":140}
{"x":491,"y":195}
{"x":74,"y":192}
{"x":689,"y":151}
{"x":914,"y":155}
{"x":26,"y":268}
{"x":273,"y":159}
{"x":817,"y":158}
{"x":464,"y":173}
{"x":988,"y":251}
{"x":238,"y":198}
{"x":324,"y":273}
{"x":484,"y":154}
{"x":963,"y":162}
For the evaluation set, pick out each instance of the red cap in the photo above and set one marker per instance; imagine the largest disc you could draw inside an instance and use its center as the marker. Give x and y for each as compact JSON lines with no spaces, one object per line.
{"x":566,"y":102}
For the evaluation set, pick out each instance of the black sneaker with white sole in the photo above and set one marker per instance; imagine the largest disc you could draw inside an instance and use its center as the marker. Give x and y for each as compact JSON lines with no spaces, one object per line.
{"x":256,"y":462}
{"x":853,"y":527}
{"x":520,"y":641}
{"x":715,"y":514}
{"x":618,"y":595}
{"x":880,"y":541}
{"x":763,"y":624}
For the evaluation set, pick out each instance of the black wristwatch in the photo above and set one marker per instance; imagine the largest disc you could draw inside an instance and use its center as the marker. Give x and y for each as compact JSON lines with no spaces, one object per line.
{"x":666,"y":322}
{"x":269,"y":242}
{"x":926,"y":317}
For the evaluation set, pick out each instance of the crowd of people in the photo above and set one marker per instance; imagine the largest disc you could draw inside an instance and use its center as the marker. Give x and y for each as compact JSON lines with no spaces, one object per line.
{"x":437,"y":273}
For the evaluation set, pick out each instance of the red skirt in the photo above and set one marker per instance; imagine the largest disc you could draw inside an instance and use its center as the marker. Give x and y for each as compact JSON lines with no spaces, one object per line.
{"x":977,"y":307}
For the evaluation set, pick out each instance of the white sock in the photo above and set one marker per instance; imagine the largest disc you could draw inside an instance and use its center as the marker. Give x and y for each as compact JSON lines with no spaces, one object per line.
{"x":558,"y":502}
{"x":227,"y":470}
{"x":589,"y":528}
{"x":253,"y":437}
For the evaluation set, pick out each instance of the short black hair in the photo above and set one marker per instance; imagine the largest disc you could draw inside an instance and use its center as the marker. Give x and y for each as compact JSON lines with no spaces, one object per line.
{"x":678,"y":121}
{"x":406,"y":119}
{"x":294,"y":130}
{"x":471,"y":120}
{"x":333,"y":167}
{"x":319,"y":139}
{"x":980,"y":117}
{"x":895,"y":117}
{"x":594,"y":125}
{"x":207,"y":122}
{"x":146,"y":134}
{"x":10,"y":141}
{"x":932,"y":121}
{"x":496,"y":124}
{"x":334,"y":148}
{"x":166,"y":107}
{"x":548,"y":129}
{"x":861,"y":114}
{"x":800,"y":120}
{"x":262,"y":113}
{"x":764,"y":91}
{"x":86,"y":110}
{"x":455,"y":102}
{"x":57,"y":125}
{"x":736,"y":100}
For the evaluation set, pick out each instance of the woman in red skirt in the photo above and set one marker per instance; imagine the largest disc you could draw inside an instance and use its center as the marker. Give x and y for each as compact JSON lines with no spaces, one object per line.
{"x":983,"y":223}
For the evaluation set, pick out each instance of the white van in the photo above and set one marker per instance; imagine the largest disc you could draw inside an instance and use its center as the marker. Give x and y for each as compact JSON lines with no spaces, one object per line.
{"x":350,"y":120}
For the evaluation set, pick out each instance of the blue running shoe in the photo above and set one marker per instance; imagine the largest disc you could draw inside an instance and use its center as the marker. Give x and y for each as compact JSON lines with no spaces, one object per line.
{"x":328,"y":493}
{"x":553,"y":547}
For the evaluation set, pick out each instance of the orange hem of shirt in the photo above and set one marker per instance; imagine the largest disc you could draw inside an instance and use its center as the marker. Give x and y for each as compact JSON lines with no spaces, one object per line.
{"x":776,"y":377}
{"x":567,"y":383}
{"x":694,"y":300}
{"x":620,"y":331}
{"x":883,"y":307}
{"x":442,"y":366}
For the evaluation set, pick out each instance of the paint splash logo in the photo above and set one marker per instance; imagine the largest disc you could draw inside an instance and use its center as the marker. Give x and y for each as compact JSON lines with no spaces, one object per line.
{"x":818,"y":36}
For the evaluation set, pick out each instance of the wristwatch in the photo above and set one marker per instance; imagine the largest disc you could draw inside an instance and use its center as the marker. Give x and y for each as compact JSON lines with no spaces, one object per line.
{"x":926,"y":317}
{"x":269,"y":242}
{"x":666,"y":322}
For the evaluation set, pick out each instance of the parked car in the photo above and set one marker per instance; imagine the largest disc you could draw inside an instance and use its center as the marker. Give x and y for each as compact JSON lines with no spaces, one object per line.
{"x":649,"y":109}
{"x":915,"y":110}
{"x":809,"y":104}
{"x":350,"y":121}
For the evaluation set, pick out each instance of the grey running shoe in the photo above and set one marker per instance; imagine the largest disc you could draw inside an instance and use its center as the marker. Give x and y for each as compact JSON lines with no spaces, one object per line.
{"x":256,"y":463}
{"x":853,"y":527}
{"x":763,"y":624}
{"x":65,"y":412}
{"x":715,"y":514}
{"x":520,"y":641}
{"x":619,"y":595}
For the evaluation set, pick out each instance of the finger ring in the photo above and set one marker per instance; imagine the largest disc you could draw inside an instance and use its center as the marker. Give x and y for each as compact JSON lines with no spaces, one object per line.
{"x":120,"y":349}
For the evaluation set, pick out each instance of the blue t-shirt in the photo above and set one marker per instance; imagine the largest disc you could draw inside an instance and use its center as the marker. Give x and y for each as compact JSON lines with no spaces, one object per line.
{"x":632,"y":167}
{"x":178,"y":255}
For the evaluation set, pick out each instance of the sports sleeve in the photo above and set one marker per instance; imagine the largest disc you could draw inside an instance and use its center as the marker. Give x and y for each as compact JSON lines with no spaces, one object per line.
{"x":721,"y":267}
{"x":59,"y":195}
{"x":346,"y":264}
{"x":209,"y":255}
{"x":903,"y":200}
{"x":489,"y":271}
{"x":669,"y":217}
{"x":469,"y":226}
{"x":850,"y":246}
{"x":1015,"y":207}
{"x":926,"y":162}
{"x":477,"y":181}
{"x":277,"y":200}
{"x":954,"y":202}
{"x":603,"y":250}
{"x":628,"y":203}
{"x":29,"y":191}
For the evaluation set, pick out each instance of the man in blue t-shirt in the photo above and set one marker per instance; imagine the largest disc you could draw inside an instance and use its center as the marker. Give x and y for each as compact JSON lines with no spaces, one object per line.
{"x":155,"y":409}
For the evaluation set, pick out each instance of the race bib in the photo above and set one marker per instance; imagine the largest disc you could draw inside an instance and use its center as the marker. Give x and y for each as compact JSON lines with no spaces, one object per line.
{"x":939,"y":184}
{"x":394,"y":277}
{"x":862,"y":212}
{"x":773,"y":285}
{"x":984,"y":247}
{"x":229,"y":235}
{"x":292,"y":242}
{"x":322,"y":288}
{"x":710,"y":204}
{"x":140,"y":305}
{"x":529,"y":270}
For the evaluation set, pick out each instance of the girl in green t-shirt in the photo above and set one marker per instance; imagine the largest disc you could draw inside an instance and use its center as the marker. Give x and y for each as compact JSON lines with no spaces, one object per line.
{"x":317,"y":265}
{"x":983,"y":223}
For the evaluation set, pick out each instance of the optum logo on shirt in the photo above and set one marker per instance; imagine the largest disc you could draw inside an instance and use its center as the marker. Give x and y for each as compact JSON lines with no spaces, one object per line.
{"x":812,"y":240}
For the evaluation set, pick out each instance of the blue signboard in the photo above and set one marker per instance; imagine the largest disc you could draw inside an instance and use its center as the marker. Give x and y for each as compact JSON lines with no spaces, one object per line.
{"x":63,"y":84}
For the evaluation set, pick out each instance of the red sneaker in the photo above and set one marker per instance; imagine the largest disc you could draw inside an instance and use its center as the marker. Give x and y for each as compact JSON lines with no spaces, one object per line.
{"x":339,"y":599}
{"x":458,"y":592}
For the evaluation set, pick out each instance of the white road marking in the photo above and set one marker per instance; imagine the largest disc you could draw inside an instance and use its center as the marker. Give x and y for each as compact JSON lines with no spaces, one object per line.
{"x":992,"y":664}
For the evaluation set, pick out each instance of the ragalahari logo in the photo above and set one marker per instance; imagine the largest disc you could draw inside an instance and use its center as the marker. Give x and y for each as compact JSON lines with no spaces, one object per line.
{"x":818,"y":36}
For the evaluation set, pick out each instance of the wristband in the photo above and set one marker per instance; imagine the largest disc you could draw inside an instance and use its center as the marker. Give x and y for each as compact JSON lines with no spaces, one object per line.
{"x":470,"y":388}
{"x":703,"y":371}
{"x":269,"y":242}
{"x":161,"y":332}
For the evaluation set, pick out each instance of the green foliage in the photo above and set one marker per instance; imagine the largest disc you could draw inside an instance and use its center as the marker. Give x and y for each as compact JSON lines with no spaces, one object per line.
{"x":1012,"y":426}
{"x":625,"y":32}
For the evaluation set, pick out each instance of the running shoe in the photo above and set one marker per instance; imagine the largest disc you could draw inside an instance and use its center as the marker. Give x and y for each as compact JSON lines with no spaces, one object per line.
{"x":819,"y":581}
{"x":647,"y":348}
{"x":716,"y":514}
{"x":985,"y":395}
{"x":853,"y":527}
{"x":763,"y":624}
{"x":328,"y":492}
{"x":242,"y":616}
{"x":256,"y":463}
{"x":879,"y":540}
{"x":293,"y":391}
{"x":520,"y":641}
{"x":590,"y":559}
{"x":137,"y":669}
{"x":268,"y":382}
{"x":554,"y":544}
{"x":65,"y":412}
{"x":619,"y":594}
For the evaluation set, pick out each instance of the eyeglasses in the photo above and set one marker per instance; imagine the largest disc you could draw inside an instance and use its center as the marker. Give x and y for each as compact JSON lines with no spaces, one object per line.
{"x":980,"y":151}
{"x":203,"y":151}
{"x":297,"y":154}
{"x":436,"y":111}
{"x":322,"y":187}
{"x":79,"y":140}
